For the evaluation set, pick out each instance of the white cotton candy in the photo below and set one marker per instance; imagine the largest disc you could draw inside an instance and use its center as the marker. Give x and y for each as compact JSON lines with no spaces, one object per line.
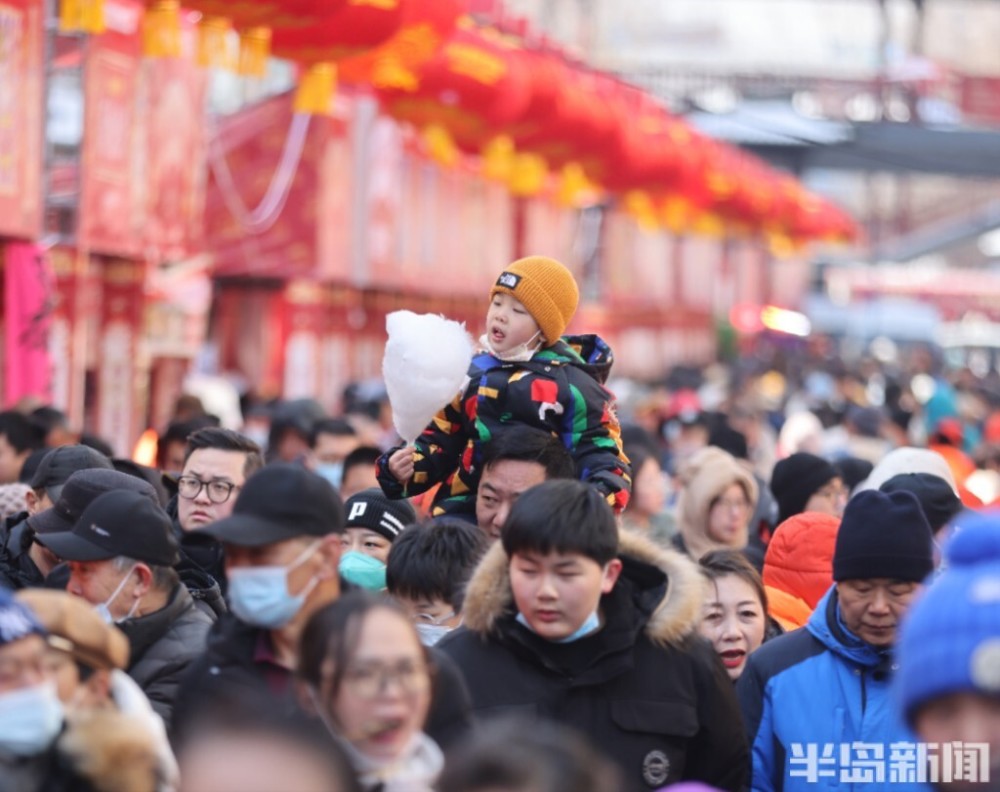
{"x":425,"y":364}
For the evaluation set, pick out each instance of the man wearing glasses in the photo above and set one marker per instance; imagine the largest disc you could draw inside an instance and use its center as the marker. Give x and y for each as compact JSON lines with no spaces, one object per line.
{"x":217,"y":462}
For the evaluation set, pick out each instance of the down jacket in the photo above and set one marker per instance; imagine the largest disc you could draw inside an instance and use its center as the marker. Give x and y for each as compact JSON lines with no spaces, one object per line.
{"x":819,"y":689}
{"x":798,"y":567}
{"x":560,"y":390}
{"x":645,"y":688}
{"x":164,"y":643}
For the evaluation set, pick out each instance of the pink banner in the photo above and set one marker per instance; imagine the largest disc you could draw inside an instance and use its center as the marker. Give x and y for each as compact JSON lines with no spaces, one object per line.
{"x":28,"y":290}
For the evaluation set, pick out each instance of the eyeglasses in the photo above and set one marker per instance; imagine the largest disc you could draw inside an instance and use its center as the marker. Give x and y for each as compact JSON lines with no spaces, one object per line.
{"x":370,"y":681}
{"x":190,"y":487}
{"x":731,"y":505}
{"x":426,"y":618}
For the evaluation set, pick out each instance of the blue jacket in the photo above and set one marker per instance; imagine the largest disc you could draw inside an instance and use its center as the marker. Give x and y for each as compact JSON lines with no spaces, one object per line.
{"x":808,"y":695}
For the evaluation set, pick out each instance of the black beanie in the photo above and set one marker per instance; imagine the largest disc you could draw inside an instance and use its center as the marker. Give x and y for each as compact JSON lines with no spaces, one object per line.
{"x":937,"y":498}
{"x":371,"y":509}
{"x":795,"y":479}
{"x":883,"y":535}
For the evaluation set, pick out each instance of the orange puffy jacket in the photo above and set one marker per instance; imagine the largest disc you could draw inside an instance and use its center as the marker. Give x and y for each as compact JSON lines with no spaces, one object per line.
{"x":799,"y":564}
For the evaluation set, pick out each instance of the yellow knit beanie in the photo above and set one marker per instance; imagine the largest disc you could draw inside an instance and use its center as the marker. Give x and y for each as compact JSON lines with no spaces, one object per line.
{"x":546,"y":288}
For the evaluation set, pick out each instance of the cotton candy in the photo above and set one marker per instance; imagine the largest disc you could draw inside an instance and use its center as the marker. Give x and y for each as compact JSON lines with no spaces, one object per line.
{"x":425,"y":365}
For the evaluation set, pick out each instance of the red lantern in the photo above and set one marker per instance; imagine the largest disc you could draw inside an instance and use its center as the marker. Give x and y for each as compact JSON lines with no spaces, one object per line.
{"x":267,"y":13}
{"x":474,"y":87}
{"x":357,"y":27}
{"x":426,"y":25}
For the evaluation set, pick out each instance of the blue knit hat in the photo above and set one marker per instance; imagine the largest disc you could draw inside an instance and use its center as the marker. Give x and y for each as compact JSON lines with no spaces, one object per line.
{"x":16,"y":619}
{"x":950,"y":640}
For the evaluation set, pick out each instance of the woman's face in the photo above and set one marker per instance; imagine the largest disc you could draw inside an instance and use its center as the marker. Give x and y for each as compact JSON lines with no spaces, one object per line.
{"x":648,"y":489}
{"x":385,"y":691}
{"x":733,"y":620}
{"x":728,"y":517}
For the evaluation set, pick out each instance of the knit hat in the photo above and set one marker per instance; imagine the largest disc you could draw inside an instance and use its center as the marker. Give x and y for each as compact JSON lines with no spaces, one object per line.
{"x":13,"y":499}
{"x":937,"y":498}
{"x":950,"y":639}
{"x":883,"y":535}
{"x":795,"y":479}
{"x":908,"y":459}
{"x":16,"y":619}
{"x":371,"y":509}
{"x":546,"y":288}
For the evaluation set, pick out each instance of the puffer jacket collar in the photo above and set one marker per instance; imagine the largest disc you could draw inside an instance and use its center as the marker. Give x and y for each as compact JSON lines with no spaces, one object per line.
{"x":660,"y":593}
{"x":589,"y":353}
{"x":826,"y":626}
{"x":146,"y":630}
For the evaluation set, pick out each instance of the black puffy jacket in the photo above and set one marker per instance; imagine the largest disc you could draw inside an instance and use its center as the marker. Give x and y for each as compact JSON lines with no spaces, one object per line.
{"x":645,"y":688}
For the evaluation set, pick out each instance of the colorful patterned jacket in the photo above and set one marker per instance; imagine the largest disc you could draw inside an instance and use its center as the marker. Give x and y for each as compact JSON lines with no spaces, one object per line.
{"x":560,"y":390}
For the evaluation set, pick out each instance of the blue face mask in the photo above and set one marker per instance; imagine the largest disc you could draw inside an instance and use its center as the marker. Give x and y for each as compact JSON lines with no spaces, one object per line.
{"x":362,"y":570}
{"x":259,"y":595}
{"x":332,"y":472}
{"x":590,"y":625}
{"x":30,"y":719}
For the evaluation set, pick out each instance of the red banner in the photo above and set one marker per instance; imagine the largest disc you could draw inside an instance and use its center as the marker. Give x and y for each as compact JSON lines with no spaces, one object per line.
{"x":120,"y":399}
{"x":170,"y":123}
{"x":979,"y":98}
{"x":21,"y":102}
{"x":108,"y":199}
{"x":28,"y":284}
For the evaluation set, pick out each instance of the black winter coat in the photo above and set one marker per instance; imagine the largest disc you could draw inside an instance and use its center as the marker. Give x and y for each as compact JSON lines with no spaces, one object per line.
{"x":164,"y":644}
{"x":17,"y":570}
{"x":228,"y":668}
{"x":645,"y":689}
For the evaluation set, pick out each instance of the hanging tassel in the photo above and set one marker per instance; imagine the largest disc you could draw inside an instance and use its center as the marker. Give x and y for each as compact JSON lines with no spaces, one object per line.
{"x":640,"y":206}
{"x":315,"y":92}
{"x":161,"y":30}
{"x":676,"y":215}
{"x":498,"y":158}
{"x":81,"y":15}
{"x":213,"y":43}
{"x":255,"y":48}
{"x":574,"y":186}
{"x":440,"y":146}
{"x":527,"y":175}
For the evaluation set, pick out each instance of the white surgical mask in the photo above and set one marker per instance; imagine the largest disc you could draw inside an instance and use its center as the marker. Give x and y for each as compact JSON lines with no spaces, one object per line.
{"x":259,"y":595}
{"x":518,"y":354}
{"x":30,"y":719}
{"x":430,"y":634}
{"x":104,"y":608}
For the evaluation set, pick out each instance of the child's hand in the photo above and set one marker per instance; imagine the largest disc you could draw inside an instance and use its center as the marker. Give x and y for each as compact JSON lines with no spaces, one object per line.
{"x":401,"y":464}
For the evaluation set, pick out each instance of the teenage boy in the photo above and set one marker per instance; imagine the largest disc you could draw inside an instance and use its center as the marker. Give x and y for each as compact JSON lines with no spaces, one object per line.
{"x":428,"y":568}
{"x":565,"y":620}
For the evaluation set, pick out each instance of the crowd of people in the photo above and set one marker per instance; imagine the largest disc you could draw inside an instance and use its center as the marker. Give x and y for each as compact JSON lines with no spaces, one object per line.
{"x":736,"y":578}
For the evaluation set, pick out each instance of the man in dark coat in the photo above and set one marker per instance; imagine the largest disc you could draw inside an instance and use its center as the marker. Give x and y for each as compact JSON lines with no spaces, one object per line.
{"x":121,"y":554}
{"x":289,"y":518}
{"x":568,"y":621}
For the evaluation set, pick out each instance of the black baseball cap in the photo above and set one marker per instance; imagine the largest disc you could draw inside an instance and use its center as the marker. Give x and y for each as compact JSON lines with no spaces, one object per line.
{"x":60,"y":463}
{"x":279,"y":502}
{"x":118,"y":523}
{"x":77,"y":494}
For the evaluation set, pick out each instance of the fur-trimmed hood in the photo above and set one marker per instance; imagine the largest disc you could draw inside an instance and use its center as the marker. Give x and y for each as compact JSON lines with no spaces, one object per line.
{"x":113,"y":752}
{"x":488,"y":596}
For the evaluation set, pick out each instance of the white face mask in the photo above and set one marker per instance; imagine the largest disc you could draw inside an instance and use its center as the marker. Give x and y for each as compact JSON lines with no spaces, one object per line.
{"x":518,"y":354}
{"x":30,"y":719}
{"x":430,"y":634}
{"x":104,"y":608}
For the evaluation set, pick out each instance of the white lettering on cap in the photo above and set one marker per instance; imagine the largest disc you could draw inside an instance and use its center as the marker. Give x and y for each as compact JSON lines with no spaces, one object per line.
{"x":99,"y":530}
{"x":358,"y":509}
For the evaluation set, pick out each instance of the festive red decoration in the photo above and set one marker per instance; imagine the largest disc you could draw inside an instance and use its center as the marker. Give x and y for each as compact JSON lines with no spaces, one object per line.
{"x":356,"y":28}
